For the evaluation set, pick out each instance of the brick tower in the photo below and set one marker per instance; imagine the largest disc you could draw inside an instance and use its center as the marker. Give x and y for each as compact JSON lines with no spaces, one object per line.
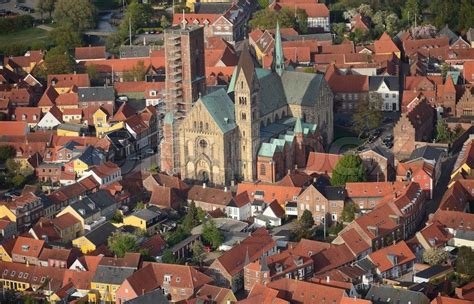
{"x":184,"y":65}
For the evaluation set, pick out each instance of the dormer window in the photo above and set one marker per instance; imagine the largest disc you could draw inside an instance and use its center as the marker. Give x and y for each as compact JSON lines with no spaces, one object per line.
{"x":23,"y":117}
{"x":35,"y":117}
{"x":153,"y":93}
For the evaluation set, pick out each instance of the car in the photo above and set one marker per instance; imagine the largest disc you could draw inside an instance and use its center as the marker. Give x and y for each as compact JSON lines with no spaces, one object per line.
{"x":388,"y":138}
{"x":135,"y":158}
{"x":389,"y":145}
{"x":149,"y":151}
{"x":122,"y":98}
{"x":371,"y":139}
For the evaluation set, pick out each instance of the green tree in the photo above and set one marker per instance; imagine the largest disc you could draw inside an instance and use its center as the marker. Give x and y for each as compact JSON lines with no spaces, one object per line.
{"x":173,"y":238}
{"x":267,"y":19}
{"x":18,"y":180}
{"x":91,"y":70}
{"x":46,"y":6}
{"x":191,"y":218}
{"x":164,"y":22}
{"x":435,"y":256}
{"x":466,"y":15}
{"x":412,"y":11}
{"x":137,"y":73}
{"x":199,"y":254}
{"x":122,"y":242}
{"x":81,"y":13}
{"x":66,"y":36}
{"x":302,"y":21}
{"x":140,"y":205}
{"x":58,"y":61}
{"x":118,"y":217}
{"x":442,"y":131}
{"x":263,"y":3}
{"x":368,"y":114}
{"x":306,"y":220}
{"x":444,"y":69}
{"x":359,"y":36}
{"x":6,"y":152}
{"x":211,"y":234}
{"x":338,"y":29}
{"x":137,"y":14}
{"x":12,"y":166}
{"x":348,"y":212}
{"x":348,"y":169}
{"x":201,"y":214}
{"x":168,"y":257}
{"x":465,"y":261}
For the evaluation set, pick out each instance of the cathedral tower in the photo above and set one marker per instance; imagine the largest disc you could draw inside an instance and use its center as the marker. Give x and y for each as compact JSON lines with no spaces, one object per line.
{"x":247,"y":114}
{"x":278,"y":63}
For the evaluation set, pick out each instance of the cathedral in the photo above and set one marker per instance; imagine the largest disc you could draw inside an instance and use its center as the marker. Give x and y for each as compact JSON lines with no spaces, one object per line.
{"x":265,"y":124}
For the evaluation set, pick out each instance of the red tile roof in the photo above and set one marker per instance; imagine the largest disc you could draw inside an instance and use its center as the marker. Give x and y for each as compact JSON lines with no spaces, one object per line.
{"x":106,"y":169}
{"x":28,"y":247}
{"x":304,"y":292}
{"x":355,"y":242}
{"x":322,"y":163}
{"x":374,"y":189}
{"x":455,"y":220}
{"x":28,"y":114}
{"x":281,"y":194}
{"x":385,"y":44}
{"x":69,"y":80}
{"x":13,"y":128}
{"x":90,"y":52}
{"x":334,"y":257}
{"x":312,"y":8}
{"x":382,"y":257}
{"x":126,"y":64}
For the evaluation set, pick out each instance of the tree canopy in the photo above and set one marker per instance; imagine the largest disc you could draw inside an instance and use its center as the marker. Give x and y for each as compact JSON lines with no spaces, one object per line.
{"x":267,"y":19}
{"x":57,"y":61}
{"x":211,"y":234}
{"x":46,"y":6}
{"x":66,"y":36}
{"x":122,"y":242}
{"x":82,"y":14}
{"x":465,"y":261}
{"x":348,"y":169}
{"x":435,"y":256}
{"x":6,"y":152}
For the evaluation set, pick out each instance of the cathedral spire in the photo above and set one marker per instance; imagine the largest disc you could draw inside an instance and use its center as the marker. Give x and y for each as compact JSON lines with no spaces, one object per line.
{"x":278,"y":64}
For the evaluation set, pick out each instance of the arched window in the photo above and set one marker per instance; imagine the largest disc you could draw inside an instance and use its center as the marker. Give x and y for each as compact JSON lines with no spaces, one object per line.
{"x":243,"y":116}
{"x":200,"y":125}
{"x":207,"y":126}
{"x":195,"y":125}
{"x":277,"y":117}
{"x":263,"y":169}
{"x":203,"y":144}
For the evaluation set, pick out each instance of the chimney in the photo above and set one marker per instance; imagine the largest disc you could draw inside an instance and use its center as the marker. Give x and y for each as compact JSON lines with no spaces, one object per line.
{"x":204,"y":185}
{"x":289,"y":171}
{"x":225,"y":189}
{"x":328,"y":279}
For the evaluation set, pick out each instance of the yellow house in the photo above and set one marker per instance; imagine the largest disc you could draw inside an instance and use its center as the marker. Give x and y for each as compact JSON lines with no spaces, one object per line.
{"x":95,"y":238}
{"x":6,"y":250}
{"x":6,"y":212}
{"x":190,"y":3}
{"x":68,"y":129}
{"x":90,"y":157}
{"x":105,"y":283}
{"x":144,"y":219}
{"x":219,"y":294}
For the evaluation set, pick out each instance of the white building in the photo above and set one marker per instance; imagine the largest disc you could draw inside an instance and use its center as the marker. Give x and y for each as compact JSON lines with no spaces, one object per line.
{"x":239,"y":208}
{"x":388,"y":88}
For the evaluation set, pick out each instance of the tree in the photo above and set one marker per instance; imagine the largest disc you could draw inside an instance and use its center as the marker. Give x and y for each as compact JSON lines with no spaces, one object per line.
{"x":435,"y":256}
{"x":466,"y":15}
{"x":306,"y":220}
{"x":191,"y":219}
{"x":140,"y":205}
{"x":137,"y":73}
{"x":118,"y":217}
{"x":423,"y":31}
{"x":176,"y":236}
{"x":359,"y":36}
{"x":12,"y":166}
{"x":18,"y":180}
{"x":46,"y":6}
{"x":465,"y":261}
{"x":199,"y":253}
{"x":91,"y":70}
{"x":211,"y":234}
{"x":58,"y":61}
{"x":66,"y":36}
{"x":386,"y":21}
{"x":368,"y":115}
{"x":168,"y":257}
{"x":137,"y":15}
{"x":338,"y":29}
{"x":444,"y":69}
{"x":442,"y":131}
{"x":348,"y":212}
{"x":81,"y":13}
{"x":122,"y":242}
{"x":263,"y":3}
{"x":302,"y":21}
{"x":164,"y":22}
{"x":6,"y":152}
{"x":412,"y":11}
{"x":267,"y":19}
{"x":348,"y":169}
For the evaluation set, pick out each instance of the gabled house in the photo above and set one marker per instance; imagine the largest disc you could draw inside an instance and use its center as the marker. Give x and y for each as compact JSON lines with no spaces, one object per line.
{"x":239,"y":207}
{"x":51,"y":119}
{"x":393,"y":261}
{"x":387,"y":89}
{"x":166,"y":191}
{"x":228,"y":269}
{"x":95,"y":238}
{"x":63,"y":83}
{"x":273,"y":215}
{"x":105,"y":174}
{"x":27,"y":250}
{"x":146,"y":219}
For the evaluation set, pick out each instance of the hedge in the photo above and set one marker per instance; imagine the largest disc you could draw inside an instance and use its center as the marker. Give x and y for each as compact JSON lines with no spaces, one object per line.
{"x":19,"y":23}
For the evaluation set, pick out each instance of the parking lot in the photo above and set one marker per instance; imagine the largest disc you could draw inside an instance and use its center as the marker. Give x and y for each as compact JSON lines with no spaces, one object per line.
{"x":13,"y":6}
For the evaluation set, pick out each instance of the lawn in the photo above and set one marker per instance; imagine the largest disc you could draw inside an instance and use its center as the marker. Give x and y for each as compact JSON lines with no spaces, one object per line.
{"x":26,"y":37}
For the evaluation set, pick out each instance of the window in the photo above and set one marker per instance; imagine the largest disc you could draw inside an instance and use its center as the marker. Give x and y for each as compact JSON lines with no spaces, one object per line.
{"x":263,"y":169}
{"x":13,"y":273}
{"x":203,"y":144}
{"x":334,"y":217}
{"x":243,"y":116}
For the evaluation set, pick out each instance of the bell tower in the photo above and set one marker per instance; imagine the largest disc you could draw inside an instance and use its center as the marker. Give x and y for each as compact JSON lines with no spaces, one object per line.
{"x":247,"y":114}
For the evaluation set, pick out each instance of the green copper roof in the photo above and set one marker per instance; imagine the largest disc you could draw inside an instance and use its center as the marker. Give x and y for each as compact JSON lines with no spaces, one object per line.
{"x":268,"y":150}
{"x":168,"y":118}
{"x":454,"y":76}
{"x":298,"y":126}
{"x":278,"y":64}
{"x":221,"y":109}
{"x":232,"y":81}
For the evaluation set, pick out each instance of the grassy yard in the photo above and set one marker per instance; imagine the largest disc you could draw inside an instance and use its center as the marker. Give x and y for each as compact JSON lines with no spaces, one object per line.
{"x":26,"y":37}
